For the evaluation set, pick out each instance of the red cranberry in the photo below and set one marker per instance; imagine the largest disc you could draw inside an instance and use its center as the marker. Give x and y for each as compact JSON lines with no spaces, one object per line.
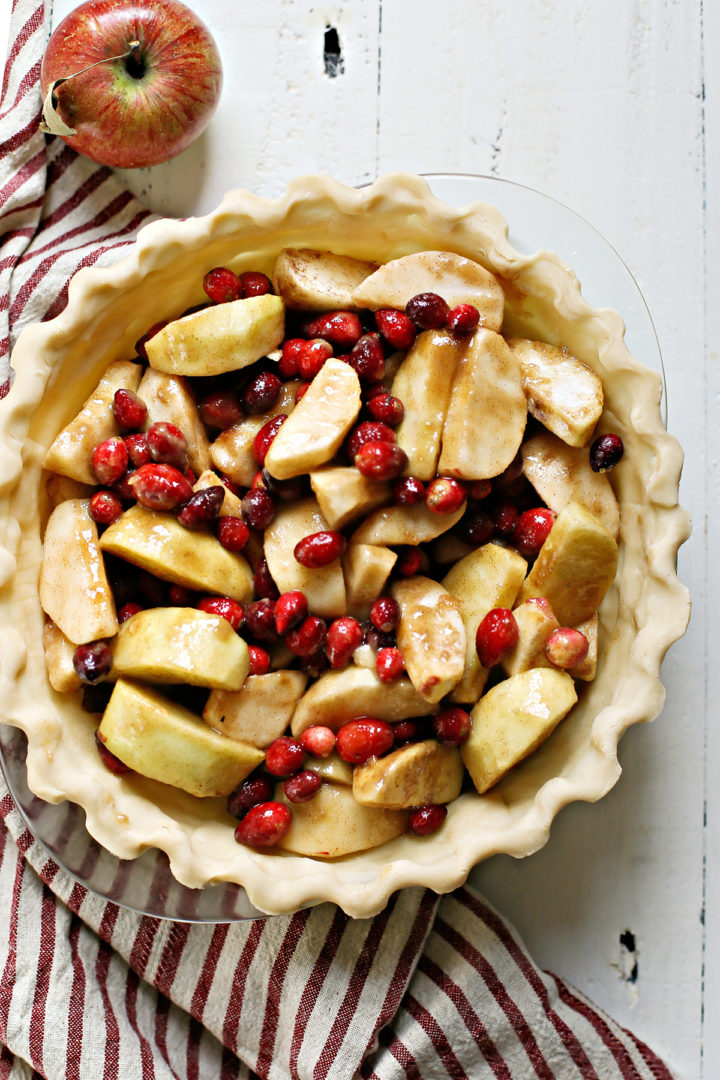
{"x":264,"y":825}
{"x":142,"y":342}
{"x":380,"y":460}
{"x":428,"y":311}
{"x":220,"y":409}
{"x":263,"y":584}
{"x":341,"y":328}
{"x":167,"y":444}
{"x":127,"y":611}
{"x":496,"y":635}
{"x":258,"y":481}
{"x":221,"y":285}
{"x":179,"y":596}
{"x":389,"y":664}
{"x":301,"y":787}
{"x":113,"y":763}
{"x":251,"y":792}
{"x":301,"y":391}
{"x":605,"y":452}
{"x":532,"y":530}
{"x":463,"y":319}
{"x":359,"y":740}
{"x":288,"y":365}
{"x":452,"y":726}
{"x":265,"y":436}
{"x":395,"y":326}
{"x":318,"y":740}
{"x":373,"y":390}
{"x":385,"y":614}
{"x":225,"y":607}
{"x":368,"y":431}
{"x":290,"y":609}
{"x":409,"y":561}
{"x":475,"y":527}
{"x":405,"y":731}
{"x":506,"y":516}
{"x":137,"y":448}
{"x":109,"y":460}
{"x":260,"y":620}
{"x":566,"y":647}
{"x":202,"y":508}
{"x":93,"y":661}
{"x":129,"y":410}
{"x":254,"y":283}
{"x":386,"y":408}
{"x":261,"y":392}
{"x":160,"y":487}
{"x":259,"y":660}
{"x":314,"y":665}
{"x":232,"y":532}
{"x":105,"y":507}
{"x":313,"y":357}
{"x":319,"y":549}
{"x":511,"y":474}
{"x":479,"y":489}
{"x":295,"y":487}
{"x":377,"y":640}
{"x":445,"y":495}
{"x":343,"y":638}
{"x":367,"y":358}
{"x":424,"y":820}
{"x":284,"y":756}
{"x":409,"y":491}
{"x":308,"y":638}
{"x":258,"y":509}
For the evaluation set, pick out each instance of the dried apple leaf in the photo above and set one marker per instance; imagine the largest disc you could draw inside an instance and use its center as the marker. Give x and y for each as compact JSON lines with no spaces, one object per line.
{"x":52,"y":122}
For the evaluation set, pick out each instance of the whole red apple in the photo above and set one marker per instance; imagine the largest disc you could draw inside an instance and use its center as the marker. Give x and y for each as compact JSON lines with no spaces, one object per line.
{"x":150,"y":104}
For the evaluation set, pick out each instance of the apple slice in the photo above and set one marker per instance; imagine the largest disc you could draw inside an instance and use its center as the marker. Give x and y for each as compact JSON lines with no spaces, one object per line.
{"x":318,"y":280}
{"x":332,"y":769}
{"x":59,"y":652}
{"x":59,"y":488}
{"x":423,"y":384}
{"x":232,"y":451}
{"x":430,"y":635}
{"x":489,"y":577}
{"x":71,"y":451}
{"x":180,"y":645}
{"x":562,"y":393}
{"x":168,"y":398}
{"x":159,"y":543}
{"x":395,"y":525}
{"x":366,"y":568}
{"x":314,"y":432}
{"x":457,"y":279}
{"x":74,"y":589}
{"x":561,"y":474}
{"x":224,"y":337}
{"x":333,"y":823}
{"x":535,"y":623}
{"x":324,"y":588}
{"x":575,"y":567}
{"x":344,"y":494}
{"x":487,"y":412}
{"x":260,"y":711}
{"x":587,"y":668}
{"x":339,"y":696}
{"x":414,"y":775}
{"x":511,"y":721}
{"x":166,"y":742}
{"x":231,"y":505}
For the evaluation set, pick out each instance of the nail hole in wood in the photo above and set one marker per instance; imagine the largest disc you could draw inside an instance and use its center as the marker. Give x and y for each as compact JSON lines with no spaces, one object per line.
{"x":332,"y":54}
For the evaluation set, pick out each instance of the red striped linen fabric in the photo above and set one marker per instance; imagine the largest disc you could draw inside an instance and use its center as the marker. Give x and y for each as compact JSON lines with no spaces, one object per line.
{"x":430,"y":988}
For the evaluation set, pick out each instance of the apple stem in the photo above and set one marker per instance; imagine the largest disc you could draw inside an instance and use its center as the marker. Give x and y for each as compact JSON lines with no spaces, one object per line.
{"x":52,"y":123}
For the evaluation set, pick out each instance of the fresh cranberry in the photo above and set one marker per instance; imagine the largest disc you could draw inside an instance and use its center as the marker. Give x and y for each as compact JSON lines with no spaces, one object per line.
{"x":341,"y":328}
{"x":142,"y":341}
{"x":105,"y":507}
{"x":380,"y":460}
{"x":409,"y":561}
{"x":506,"y":515}
{"x":445,"y":495}
{"x":566,"y":647}
{"x":93,"y":661}
{"x":385,"y":613}
{"x":261,"y":392}
{"x":258,"y":509}
{"x":127,"y":611}
{"x":405,"y":731}
{"x":137,"y":449}
{"x":452,"y":726}
{"x":202,"y":508}
{"x":479,"y":489}
{"x":343,"y":638}
{"x":129,"y":410}
{"x":428,"y":311}
{"x":373,"y":390}
{"x":395,"y":326}
{"x":319,"y":549}
{"x":386,"y":408}
{"x":167,"y":444}
{"x":295,"y":487}
{"x":255,"y":790}
{"x":605,"y":452}
{"x":301,"y":391}
{"x":264,"y":825}
{"x":284,"y":756}
{"x":259,"y":660}
{"x":301,"y":787}
{"x":232,"y":532}
{"x":179,"y":596}
{"x":313,"y":357}
{"x":109,"y":760}
{"x":378,"y":639}
{"x":290,"y":609}
{"x":225,"y":607}
{"x":389,"y":664}
{"x":475,"y":527}
{"x":254,"y":283}
{"x":288,"y":364}
{"x":308,"y":638}
{"x":409,"y":491}
{"x":265,"y":436}
{"x":424,"y":820}
{"x":314,"y":665}
{"x":260,"y":620}
{"x":463,"y":319}
{"x":221,"y":285}
{"x":318,"y":740}
{"x":368,"y":431}
{"x":496,"y":635}
{"x":359,"y":740}
{"x":122,"y":489}
{"x":258,"y":481}
{"x":367,"y":358}
{"x":110,"y":460}
{"x":263,"y":584}
{"x":511,"y":474}
{"x":532,"y":530}
{"x":160,"y":487}
{"x":220,"y":409}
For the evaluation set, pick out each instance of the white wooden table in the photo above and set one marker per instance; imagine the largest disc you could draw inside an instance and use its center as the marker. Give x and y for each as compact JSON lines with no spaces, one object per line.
{"x":614,"y":110}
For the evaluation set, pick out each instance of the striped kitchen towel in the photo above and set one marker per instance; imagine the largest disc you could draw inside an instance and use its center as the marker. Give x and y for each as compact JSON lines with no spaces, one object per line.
{"x":430,"y":988}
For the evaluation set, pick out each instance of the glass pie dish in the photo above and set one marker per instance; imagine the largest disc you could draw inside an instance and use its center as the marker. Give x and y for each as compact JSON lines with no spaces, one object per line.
{"x":644,"y":611}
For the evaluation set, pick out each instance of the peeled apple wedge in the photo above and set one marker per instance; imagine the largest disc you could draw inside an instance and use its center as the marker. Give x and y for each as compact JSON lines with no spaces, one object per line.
{"x":59,"y":653}
{"x":332,"y":769}
{"x":414,"y":775}
{"x":487,"y":413}
{"x":535,"y":623}
{"x":575,"y":567}
{"x":260,"y":711}
{"x":314,"y":432}
{"x":159,"y":543}
{"x":333,"y":823}
{"x":59,"y":488}
{"x":344,"y":494}
{"x":324,"y":588}
{"x":423,"y":383}
{"x":318,"y":280}
{"x":231,"y":505}
{"x":511,"y":721}
{"x":339,"y":696}
{"x":587,"y":668}
{"x":457,"y":279}
{"x":70,"y":453}
{"x":167,"y":398}
{"x":430,"y":635}
{"x":180,"y":645}
{"x":395,"y":525}
{"x":164,"y":741}
{"x":74,"y":589}
{"x":224,"y":337}
{"x":564,"y":394}
{"x":366,"y":568}
{"x":561,"y":474}
{"x":232,"y":451}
